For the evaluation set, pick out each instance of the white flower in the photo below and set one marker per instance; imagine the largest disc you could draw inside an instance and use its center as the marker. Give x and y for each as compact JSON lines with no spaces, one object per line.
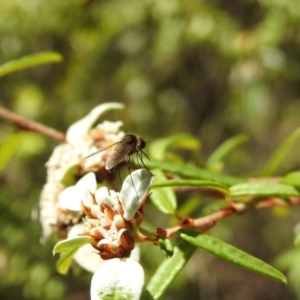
{"x":72,"y":197}
{"x":79,"y":130}
{"x":112,"y":236}
{"x":116,"y":278}
{"x":102,"y":195}
{"x":111,"y":127}
{"x":132,"y":195}
{"x":67,"y":162}
{"x":87,"y":257}
{"x":111,"y":218}
{"x":134,"y":190}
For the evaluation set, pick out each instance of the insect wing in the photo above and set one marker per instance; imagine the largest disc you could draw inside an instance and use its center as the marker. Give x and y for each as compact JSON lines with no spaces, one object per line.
{"x":119,"y":153}
{"x":92,"y":154}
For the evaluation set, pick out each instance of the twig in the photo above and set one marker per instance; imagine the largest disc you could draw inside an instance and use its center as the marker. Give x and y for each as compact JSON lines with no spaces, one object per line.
{"x":30,"y":125}
{"x":204,"y":223}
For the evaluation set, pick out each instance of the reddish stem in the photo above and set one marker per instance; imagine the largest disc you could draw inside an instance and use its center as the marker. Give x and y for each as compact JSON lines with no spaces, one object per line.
{"x":26,"y":124}
{"x":205,"y":223}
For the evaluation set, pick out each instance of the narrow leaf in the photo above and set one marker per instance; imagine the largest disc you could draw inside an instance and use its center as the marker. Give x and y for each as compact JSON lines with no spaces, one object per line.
{"x":263,"y":189}
{"x":68,"y":178}
{"x":280,"y":153}
{"x":204,"y":184}
{"x":158,"y":148}
{"x":166,"y":247}
{"x":189,"y":206}
{"x":168,"y":270}
{"x":68,"y":244}
{"x":192,"y":172}
{"x":29,"y":61}
{"x":297,"y":235}
{"x":164,"y":198}
{"x":231,"y":254}
{"x":297,"y":240}
{"x":9,"y":147}
{"x":224,"y":149}
{"x":292,"y":178}
{"x":64,"y":261}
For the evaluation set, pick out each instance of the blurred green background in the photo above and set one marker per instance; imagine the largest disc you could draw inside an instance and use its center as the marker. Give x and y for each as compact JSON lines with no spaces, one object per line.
{"x":210,"y":68}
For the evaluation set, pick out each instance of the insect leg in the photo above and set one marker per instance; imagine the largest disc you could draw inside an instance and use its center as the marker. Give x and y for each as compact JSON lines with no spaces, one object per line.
{"x":128,"y":158}
{"x":140,"y":155}
{"x":119,"y":171}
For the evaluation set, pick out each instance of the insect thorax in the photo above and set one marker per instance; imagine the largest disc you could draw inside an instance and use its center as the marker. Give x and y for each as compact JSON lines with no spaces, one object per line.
{"x":136,"y":143}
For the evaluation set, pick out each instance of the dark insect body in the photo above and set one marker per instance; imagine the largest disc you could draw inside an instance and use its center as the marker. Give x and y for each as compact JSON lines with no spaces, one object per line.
{"x":130,"y":144}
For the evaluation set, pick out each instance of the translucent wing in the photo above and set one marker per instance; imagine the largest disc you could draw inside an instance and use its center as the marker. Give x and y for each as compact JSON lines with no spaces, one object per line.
{"x":118,"y":154}
{"x":92,"y":154}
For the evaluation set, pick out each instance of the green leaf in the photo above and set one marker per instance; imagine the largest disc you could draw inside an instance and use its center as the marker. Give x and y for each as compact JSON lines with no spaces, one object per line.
{"x":288,"y":261}
{"x":297,"y":235}
{"x":292,"y":178}
{"x":263,"y":189}
{"x":187,"y":171}
{"x":216,"y":158}
{"x":64,"y":261}
{"x":69,"y":177}
{"x":9,"y":147}
{"x":164,"y":199}
{"x":280,"y":153}
{"x":147,"y":232}
{"x":29,"y":61}
{"x":297,"y":240}
{"x":204,"y":184}
{"x":69,"y":244}
{"x":168,"y":270}
{"x":189,"y":206}
{"x":231,"y":254}
{"x":213,"y":207}
{"x":166,"y":247}
{"x":158,"y":148}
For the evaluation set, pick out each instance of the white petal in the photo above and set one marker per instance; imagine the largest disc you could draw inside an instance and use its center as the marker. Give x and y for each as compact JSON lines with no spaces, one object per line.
{"x":102,"y":196}
{"x":110,"y":127}
{"x":101,"y":193}
{"x":135,"y":253}
{"x":134,"y":190}
{"x":86,"y":197}
{"x":78,"y":130}
{"x":120,"y":232}
{"x":95,"y":211}
{"x":89,"y":182}
{"x":85,"y":186}
{"x":69,"y":198}
{"x":86,"y":255}
{"x":103,"y":231}
{"x":118,"y":277}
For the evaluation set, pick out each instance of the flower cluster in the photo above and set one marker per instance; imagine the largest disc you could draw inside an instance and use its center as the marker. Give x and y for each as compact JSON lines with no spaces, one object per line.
{"x":102,"y":225}
{"x":112,"y":219}
{"x":67,"y":164}
{"x":111,"y":223}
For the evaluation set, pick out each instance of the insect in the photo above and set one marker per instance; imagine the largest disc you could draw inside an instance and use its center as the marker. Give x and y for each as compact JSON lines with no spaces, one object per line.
{"x":130,"y":144}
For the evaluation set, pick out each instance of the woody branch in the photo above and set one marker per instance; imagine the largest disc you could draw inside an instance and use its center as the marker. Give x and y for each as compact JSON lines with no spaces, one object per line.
{"x":29,"y":125}
{"x":205,"y":223}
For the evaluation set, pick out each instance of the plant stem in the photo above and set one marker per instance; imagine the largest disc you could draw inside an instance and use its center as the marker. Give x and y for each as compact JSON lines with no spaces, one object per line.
{"x":26,"y":124}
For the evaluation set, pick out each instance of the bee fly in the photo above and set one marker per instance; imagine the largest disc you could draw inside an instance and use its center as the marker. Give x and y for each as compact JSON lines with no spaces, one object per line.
{"x":130,"y":144}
